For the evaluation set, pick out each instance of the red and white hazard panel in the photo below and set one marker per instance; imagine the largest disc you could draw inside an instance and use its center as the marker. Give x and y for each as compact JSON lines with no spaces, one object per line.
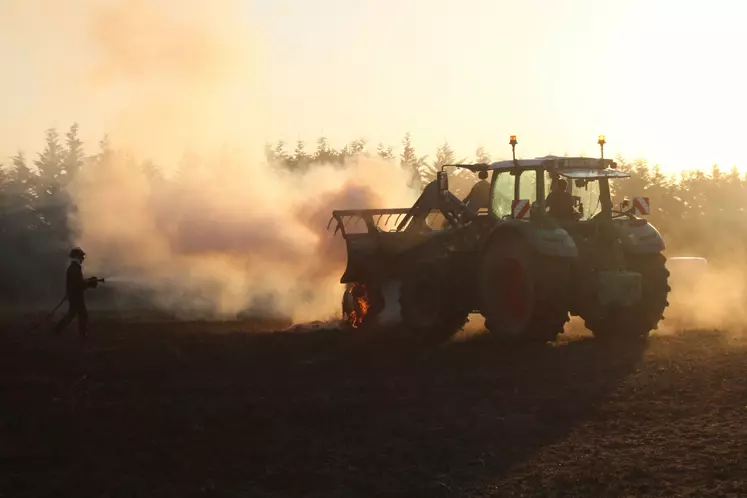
{"x":641,"y":206}
{"x":520,"y":209}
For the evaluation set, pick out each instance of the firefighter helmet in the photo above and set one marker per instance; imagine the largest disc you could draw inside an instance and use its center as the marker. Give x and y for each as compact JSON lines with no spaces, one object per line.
{"x":77,"y":252}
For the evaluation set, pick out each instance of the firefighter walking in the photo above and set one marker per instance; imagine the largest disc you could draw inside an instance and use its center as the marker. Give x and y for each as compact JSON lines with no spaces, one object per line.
{"x":76,"y":286}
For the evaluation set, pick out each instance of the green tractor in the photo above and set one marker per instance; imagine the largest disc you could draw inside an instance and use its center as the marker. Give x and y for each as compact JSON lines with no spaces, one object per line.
{"x":524,"y":270}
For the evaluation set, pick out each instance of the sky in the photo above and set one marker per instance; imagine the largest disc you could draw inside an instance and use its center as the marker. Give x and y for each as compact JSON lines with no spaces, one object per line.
{"x":661,"y":79}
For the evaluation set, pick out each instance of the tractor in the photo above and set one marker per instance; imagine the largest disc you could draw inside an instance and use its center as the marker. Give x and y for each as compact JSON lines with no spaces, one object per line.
{"x":525,"y":271}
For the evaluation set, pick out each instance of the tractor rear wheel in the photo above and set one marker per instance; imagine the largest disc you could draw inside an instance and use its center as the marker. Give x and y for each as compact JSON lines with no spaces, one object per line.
{"x":636,"y":322}
{"x":523,"y":294}
{"x":431,"y":305}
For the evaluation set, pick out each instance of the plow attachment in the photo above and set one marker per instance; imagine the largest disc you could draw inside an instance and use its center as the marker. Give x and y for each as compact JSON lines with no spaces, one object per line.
{"x":350,"y":219}
{"x":374,"y":241}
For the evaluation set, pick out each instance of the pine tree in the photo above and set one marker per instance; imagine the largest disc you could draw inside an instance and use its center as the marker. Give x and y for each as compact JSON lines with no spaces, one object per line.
{"x":482,"y":157}
{"x":444,"y":155}
{"x":20,"y":173}
{"x":73,"y":160}
{"x":300,"y":160}
{"x":408,"y":159}
{"x":51,"y":200}
{"x":324,"y":154}
{"x":279,"y":153}
{"x":50,"y":160}
{"x":5,"y":198}
{"x":385,"y":153}
{"x":276,"y":156}
{"x":354,"y":148}
{"x":411,"y":163}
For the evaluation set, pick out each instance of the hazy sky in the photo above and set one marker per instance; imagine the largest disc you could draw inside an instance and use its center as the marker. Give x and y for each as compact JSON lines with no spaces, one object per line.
{"x":662,"y":79}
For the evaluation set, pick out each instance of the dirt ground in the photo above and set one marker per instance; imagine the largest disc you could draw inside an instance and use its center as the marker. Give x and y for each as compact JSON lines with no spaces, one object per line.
{"x":226,"y":410}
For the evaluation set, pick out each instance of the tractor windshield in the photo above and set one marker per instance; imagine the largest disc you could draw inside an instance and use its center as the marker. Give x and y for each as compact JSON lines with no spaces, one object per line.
{"x":589,"y":197}
{"x":502,"y":193}
{"x":584,"y":185}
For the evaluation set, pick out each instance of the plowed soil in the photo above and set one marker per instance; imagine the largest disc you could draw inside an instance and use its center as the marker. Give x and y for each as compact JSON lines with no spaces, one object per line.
{"x":225,"y":410}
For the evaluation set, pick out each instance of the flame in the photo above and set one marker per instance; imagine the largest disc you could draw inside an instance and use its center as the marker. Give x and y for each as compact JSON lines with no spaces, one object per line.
{"x":360,"y":297}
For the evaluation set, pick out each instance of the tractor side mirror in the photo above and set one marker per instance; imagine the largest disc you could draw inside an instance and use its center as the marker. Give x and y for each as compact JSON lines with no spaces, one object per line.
{"x":443,"y":182}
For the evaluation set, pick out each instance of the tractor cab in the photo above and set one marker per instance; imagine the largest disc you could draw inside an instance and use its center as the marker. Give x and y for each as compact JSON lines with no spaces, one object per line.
{"x":520,"y":187}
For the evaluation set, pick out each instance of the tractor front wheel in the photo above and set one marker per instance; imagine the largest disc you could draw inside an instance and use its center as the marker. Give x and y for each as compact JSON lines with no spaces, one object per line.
{"x":523,"y":294}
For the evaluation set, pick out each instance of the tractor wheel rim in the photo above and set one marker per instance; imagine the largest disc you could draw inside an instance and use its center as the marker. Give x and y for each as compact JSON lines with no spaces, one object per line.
{"x":513,"y":289}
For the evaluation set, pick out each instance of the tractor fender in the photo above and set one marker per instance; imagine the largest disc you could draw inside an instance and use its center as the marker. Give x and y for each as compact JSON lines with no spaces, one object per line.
{"x":546,"y":241}
{"x":640,"y":238}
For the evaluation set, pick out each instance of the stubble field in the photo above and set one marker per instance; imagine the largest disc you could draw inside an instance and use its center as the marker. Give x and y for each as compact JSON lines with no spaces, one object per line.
{"x":150,"y":408}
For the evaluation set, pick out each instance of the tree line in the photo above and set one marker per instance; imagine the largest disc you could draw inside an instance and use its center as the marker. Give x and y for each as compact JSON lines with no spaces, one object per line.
{"x":700,"y":213}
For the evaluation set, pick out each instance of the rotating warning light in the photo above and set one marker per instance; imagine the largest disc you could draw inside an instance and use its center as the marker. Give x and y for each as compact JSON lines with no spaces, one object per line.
{"x":513,"y":140}
{"x":601,"y":140}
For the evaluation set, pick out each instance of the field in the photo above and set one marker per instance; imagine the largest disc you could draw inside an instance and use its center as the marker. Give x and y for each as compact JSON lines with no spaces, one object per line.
{"x":149,"y":408}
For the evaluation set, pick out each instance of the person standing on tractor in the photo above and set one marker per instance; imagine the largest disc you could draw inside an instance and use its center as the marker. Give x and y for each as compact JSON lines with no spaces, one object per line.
{"x":560,"y":202}
{"x":76,"y":286}
{"x":479,"y":197}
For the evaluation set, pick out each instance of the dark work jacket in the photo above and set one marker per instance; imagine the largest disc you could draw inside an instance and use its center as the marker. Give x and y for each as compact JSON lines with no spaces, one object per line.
{"x":560,"y":205}
{"x":75,"y":284}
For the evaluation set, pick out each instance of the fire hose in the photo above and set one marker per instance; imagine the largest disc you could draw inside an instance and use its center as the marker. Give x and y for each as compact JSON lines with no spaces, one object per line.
{"x":62,"y":301}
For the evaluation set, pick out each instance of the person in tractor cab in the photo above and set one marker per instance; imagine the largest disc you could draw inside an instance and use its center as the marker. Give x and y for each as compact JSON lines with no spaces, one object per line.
{"x":479,"y":197}
{"x":560,"y":202}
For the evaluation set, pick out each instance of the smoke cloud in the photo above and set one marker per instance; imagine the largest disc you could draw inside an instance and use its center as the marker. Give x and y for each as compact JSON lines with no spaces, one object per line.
{"x":216,"y":244}
{"x":181,"y":83}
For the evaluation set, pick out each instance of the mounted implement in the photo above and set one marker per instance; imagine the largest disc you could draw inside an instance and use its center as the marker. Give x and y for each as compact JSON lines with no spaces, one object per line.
{"x":523,"y":268}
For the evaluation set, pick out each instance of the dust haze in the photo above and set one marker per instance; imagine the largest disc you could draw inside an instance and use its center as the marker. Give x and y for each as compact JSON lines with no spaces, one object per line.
{"x":182,"y":84}
{"x":708,"y":298}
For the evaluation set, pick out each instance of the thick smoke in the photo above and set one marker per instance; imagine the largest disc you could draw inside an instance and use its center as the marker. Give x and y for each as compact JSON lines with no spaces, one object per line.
{"x":216,"y":244}
{"x":231,"y":233}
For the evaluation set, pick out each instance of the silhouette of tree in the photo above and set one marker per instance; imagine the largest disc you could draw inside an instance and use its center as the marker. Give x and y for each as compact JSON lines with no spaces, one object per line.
{"x":355,"y":148}
{"x":324,"y":154}
{"x":702,"y":212}
{"x":300,"y":160}
{"x":385,"y":152}
{"x":481,"y":156}
{"x":73,"y":158}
